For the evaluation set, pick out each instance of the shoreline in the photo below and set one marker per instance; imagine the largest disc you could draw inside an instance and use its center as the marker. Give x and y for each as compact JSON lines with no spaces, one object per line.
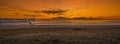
{"x":5,"y":27}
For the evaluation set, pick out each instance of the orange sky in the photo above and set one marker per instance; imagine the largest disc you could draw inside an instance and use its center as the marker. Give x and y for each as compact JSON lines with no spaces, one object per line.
{"x":76,"y":8}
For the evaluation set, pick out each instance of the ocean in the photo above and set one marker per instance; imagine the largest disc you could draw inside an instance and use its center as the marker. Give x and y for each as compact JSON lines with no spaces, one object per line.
{"x":67,"y":22}
{"x":78,"y":22}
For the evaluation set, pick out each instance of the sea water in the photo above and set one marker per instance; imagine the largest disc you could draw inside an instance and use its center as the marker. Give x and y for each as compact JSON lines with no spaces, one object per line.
{"x":78,"y":22}
{"x":67,"y":22}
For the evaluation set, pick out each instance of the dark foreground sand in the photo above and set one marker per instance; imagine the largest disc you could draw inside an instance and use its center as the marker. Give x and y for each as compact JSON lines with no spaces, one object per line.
{"x":60,"y":35}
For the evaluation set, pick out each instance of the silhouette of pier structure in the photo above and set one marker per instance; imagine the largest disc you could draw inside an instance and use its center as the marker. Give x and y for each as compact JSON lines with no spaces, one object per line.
{"x":9,"y":20}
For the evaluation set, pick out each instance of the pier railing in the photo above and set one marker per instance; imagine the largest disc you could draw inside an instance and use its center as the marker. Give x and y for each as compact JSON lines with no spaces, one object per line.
{"x":15,"y":20}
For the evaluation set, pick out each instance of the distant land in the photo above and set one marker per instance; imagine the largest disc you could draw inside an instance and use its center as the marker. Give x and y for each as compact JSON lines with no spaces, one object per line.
{"x":74,"y":18}
{"x":88,"y":18}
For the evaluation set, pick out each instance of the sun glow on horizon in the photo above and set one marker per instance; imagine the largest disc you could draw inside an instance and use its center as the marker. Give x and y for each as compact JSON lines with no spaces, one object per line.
{"x":72,"y":8}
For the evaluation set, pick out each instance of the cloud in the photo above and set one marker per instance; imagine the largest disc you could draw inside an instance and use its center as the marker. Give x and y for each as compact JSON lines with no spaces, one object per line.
{"x":54,"y":11}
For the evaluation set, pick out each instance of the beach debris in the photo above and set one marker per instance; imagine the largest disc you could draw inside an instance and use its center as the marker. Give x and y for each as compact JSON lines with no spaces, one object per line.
{"x":77,"y":29}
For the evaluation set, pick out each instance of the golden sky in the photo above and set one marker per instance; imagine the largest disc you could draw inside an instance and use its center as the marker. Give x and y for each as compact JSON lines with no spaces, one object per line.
{"x":76,"y":8}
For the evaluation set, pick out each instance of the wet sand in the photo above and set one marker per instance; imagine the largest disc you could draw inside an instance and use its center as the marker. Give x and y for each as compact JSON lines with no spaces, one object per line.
{"x":107,"y":34}
{"x":4,"y":27}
